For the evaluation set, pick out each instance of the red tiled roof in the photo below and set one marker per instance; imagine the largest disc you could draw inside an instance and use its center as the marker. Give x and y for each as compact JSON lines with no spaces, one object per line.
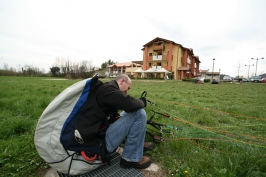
{"x":166,"y":40}
{"x":160,"y":39}
{"x":204,"y":71}
{"x":126,"y":64}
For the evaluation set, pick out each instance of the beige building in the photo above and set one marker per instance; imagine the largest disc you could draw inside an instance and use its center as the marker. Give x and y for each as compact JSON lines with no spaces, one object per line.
{"x":162,"y":53}
{"x":123,"y":68}
{"x":206,"y":74}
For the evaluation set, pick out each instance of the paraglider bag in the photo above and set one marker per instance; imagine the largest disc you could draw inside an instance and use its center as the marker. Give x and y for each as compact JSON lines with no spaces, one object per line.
{"x":71,"y":111}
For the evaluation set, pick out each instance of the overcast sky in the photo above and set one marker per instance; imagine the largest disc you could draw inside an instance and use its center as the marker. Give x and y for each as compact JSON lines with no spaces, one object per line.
{"x":35,"y":32}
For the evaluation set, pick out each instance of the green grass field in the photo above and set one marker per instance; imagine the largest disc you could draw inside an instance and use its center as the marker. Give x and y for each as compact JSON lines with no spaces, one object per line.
{"x":219,"y":129}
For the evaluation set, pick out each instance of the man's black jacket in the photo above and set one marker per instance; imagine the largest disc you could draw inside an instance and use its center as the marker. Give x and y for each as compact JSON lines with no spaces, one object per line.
{"x":110,"y":99}
{"x":105,"y":100}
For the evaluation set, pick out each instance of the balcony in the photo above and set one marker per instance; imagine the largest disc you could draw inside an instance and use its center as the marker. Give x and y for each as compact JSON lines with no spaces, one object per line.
{"x":160,"y":57}
{"x":158,"y":47}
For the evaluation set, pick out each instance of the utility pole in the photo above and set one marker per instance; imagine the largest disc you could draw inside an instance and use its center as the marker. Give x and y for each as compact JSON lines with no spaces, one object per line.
{"x":248,"y":69}
{"x":212,"y":68}
{"x":256,"y":63}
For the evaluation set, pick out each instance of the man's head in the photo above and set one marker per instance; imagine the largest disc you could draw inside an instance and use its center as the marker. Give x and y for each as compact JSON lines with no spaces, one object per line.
{"x":124,"y":82}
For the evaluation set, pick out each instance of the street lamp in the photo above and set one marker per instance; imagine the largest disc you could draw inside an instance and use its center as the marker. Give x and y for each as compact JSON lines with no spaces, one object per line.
{"x":256,"y":63}
{"x":212,"y":69}
{"x":238,"y":73}
{"x":248,"y":69}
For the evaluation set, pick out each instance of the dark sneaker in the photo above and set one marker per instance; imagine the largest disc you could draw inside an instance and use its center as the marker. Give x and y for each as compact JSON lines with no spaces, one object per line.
{"x":148,"y":146}
{"x":144,"y":163}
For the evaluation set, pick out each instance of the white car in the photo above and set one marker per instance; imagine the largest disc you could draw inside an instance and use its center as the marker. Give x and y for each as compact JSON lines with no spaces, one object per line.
{"x":227,"y":79}
{"x":255,"y":79}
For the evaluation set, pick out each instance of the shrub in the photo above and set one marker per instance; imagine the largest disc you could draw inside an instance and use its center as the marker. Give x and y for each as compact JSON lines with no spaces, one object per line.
{"x":187,"y":79}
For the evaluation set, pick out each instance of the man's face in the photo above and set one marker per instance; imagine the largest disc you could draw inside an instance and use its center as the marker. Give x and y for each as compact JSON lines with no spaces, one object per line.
{"x":125,"y":85}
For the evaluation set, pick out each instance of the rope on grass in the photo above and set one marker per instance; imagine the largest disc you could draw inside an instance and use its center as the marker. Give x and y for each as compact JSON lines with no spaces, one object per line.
{"x":198,"y":107}
{"x":223,"y":134}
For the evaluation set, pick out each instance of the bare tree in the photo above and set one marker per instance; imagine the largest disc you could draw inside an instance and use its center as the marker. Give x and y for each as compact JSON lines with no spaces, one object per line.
{"x":57,"y":62}
{"x":6,"y":66}
{"x":71,"y":69}
{"x":19,"y":69}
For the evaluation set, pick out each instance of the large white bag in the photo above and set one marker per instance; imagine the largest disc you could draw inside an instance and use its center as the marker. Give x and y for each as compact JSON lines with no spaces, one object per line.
{"x":56,"y":118}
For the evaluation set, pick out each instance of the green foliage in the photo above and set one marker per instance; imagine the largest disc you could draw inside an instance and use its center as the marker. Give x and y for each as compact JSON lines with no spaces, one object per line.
{"x":22,"y":101}
{"x":55,"y":70}
{"x":207,"y":80}
{"x":187,"y":79}
{"x":150,"y":75}
{"x":220,"y":129}
{"x":104,"y":65}
{"x":107,"y":63}
{"x":170,"y":76}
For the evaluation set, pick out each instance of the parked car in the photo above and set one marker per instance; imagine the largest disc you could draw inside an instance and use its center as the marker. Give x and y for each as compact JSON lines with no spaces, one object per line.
{"x":245,"y":80}
{"x":235,"y":79}
{"x":255,"y":79}
{"x":263,"y":80}
{"x":227,"y":79}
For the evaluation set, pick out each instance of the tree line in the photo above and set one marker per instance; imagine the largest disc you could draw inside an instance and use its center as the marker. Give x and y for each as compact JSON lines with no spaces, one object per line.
{"x":72,"y":70}
{"x":68,"y":69}
{"x":26,"y":70}
{"x":61,"y":68}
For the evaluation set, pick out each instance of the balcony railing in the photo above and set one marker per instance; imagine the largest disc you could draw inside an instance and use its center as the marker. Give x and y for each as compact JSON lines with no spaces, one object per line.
{"x":160,"y":57}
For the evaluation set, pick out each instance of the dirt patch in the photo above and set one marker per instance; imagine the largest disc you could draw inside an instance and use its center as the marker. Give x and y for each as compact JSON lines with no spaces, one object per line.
{"x":42,"y":172}
{"x":159,"y":173}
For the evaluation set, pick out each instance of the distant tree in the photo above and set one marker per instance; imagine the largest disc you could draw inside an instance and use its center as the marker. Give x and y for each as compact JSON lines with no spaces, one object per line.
{"x":55,"y":70}
{"x":5,"y":66}
{"x":72,"y":70}
{"x":104,"y":65}
{"x":110,"y":62}
{"x":28,"y":69}
{"x":107,"y":63}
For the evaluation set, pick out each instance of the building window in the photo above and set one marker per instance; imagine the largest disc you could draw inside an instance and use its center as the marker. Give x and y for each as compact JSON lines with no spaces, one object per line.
{"x":149,"y":64}
{"x":188,"y":60}
{"x":150,"y":54}
{"x":159,"y":64}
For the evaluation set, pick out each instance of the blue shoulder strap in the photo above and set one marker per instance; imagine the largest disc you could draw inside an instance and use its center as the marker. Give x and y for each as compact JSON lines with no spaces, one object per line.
{"x":69,"y":125}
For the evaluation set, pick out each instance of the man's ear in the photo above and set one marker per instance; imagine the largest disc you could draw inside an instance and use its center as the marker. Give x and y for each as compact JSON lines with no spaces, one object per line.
{"x":120,"y":82}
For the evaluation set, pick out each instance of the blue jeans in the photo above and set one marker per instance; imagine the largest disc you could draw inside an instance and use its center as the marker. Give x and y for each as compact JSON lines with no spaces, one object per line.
{"x":131,"y":126}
